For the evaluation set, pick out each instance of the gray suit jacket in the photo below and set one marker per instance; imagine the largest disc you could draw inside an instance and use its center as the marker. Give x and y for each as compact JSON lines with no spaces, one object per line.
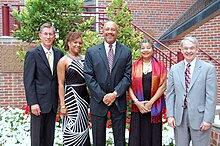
{"x":100,"y":81}
{"x":202,"y":93}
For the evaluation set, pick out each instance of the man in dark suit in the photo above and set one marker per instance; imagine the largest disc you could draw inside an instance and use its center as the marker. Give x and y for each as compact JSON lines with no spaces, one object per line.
{"x":191,"y":97}
{"x":41,"y":87}
{"x":107,"y":72}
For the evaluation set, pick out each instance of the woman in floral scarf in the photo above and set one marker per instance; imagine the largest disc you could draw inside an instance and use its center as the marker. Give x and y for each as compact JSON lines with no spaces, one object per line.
{"x":147,"y":92}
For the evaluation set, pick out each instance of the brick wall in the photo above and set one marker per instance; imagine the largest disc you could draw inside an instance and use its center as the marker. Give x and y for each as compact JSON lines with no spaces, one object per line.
{"x":155,"y":16}
{"x":209,"y":41}
{"x":215,"y":135}
{"x":11,"y":73}
{"x":12,"y":90}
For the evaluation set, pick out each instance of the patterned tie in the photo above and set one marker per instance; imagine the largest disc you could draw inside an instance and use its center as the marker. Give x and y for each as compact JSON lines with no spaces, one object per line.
{"x":110,"y":58}
{"x":187,"y":82}
{"x":50,"y":61}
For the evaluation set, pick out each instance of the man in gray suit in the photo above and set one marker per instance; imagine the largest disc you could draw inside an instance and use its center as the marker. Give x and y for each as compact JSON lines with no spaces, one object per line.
{"x":191,"y":97}
{"x":107,"y":72}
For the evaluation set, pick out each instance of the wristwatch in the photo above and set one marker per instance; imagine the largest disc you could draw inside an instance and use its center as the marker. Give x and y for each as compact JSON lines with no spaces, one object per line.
{"x":116,"y":93}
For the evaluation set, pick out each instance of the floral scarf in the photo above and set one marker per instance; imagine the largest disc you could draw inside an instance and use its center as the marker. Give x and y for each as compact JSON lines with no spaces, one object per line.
{"x":159,"y":75}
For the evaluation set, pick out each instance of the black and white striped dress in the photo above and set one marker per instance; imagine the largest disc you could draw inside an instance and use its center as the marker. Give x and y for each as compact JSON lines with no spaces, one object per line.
{"x":75,"y":124}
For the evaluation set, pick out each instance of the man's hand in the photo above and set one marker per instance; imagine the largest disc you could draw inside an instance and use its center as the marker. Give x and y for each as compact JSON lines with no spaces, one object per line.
{"x":205,"y":126}
{"x":172,"y":122}
{"x":35,"y":109}
{"x":109,"y":99}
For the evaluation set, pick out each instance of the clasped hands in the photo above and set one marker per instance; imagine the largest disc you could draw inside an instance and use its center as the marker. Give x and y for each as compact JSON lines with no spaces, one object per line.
{"x":109,"y":99}
{"x":144,"y":106}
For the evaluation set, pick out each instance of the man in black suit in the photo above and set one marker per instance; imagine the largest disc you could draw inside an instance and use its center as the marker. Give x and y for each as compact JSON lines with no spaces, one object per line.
{"x":107,"y":72}
{"x":41,"y":87}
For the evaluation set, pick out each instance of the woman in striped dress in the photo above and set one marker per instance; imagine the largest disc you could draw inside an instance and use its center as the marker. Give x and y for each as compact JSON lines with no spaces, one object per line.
{"x":74,"y":98}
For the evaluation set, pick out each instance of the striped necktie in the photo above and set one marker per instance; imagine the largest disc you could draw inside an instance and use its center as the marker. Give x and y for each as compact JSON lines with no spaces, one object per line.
{"x":110,"y":58}
{"x":187,"y":83}
{"x":187,"y":77}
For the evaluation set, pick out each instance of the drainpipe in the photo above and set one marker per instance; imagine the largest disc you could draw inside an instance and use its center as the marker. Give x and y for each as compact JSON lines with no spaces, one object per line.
{"x":5,"y":20}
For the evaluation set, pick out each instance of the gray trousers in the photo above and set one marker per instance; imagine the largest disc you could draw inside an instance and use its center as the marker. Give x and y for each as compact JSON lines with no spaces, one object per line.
{"x":183,"y":134}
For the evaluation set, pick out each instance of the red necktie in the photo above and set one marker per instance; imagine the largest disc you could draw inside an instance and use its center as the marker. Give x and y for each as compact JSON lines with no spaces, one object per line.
{"x":187,"y":77}
{"x":110,"y":58}
{"x":187,"y":82}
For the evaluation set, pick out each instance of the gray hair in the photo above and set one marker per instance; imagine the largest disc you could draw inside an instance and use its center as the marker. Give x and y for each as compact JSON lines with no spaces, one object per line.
{"x":147,"y":41}
{"x":47,"y":25}
{"x":191,"y":39}
{"x":110,"y":21}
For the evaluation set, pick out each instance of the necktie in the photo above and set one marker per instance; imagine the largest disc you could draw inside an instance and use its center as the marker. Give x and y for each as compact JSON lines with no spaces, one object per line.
{"x":187,"y":77}
{"x":110,"y":58}
{"x":50,"y":60}
{"x":187,"y":82}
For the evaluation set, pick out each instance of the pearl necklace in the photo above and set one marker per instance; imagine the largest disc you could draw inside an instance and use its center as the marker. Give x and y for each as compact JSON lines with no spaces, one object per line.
{"x":147,"y":67}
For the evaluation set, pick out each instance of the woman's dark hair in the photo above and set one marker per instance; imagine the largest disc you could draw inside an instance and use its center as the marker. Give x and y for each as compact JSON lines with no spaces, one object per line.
{"x":71,"y":36}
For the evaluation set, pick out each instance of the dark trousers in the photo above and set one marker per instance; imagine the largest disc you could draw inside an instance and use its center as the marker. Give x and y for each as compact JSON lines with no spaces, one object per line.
{"x":42,"y":129}
{"x":143,"y":132}
{"x":118,"y":126}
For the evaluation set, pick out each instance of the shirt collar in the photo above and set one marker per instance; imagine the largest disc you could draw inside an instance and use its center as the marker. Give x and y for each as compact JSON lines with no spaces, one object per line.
{"x":107,"y":45}
{"x":192,"y":63}
{"x":46,"y":50}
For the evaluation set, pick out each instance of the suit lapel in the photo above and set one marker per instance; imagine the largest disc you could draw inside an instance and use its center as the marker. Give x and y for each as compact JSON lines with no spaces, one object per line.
{"x":103,"y":55}
{"x":55,"y":61}
{"x":43,"y":56}
{"x":181,"y":73}
{"x":118,"y":50}
{"x":196,"y":73}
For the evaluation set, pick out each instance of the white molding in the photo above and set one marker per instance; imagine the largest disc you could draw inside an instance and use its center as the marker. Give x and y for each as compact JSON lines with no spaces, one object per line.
{"x":8,"y":39}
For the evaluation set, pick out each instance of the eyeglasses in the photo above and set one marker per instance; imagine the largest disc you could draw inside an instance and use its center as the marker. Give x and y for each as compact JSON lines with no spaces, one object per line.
{"x":143,"y":48}
{"x":46,"y":34}
{"x":190,"y":48}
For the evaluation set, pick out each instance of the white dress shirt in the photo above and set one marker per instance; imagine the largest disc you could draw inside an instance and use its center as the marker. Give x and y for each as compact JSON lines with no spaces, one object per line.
{"x":50,"y":56}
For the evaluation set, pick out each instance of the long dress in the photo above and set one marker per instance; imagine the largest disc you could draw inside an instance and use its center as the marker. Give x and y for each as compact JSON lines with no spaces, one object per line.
{"x":75,"y":124}
{"x":142,"y":131}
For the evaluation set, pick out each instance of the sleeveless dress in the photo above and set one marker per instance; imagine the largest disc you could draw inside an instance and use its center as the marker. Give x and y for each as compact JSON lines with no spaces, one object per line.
{"x":75,"y":124}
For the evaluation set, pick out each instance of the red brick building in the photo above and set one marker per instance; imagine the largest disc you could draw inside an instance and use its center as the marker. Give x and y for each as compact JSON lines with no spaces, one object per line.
{"x":153,"y":16}
{"x":166,"y":20}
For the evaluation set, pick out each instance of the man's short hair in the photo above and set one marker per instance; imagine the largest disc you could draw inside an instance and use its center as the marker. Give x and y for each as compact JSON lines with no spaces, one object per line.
{"x":47,"y":25}
{"x":191,"y":39}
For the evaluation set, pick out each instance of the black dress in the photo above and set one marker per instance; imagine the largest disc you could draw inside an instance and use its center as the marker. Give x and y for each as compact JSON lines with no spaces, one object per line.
{"x":75,"y":124}
{"x":142,"y":131}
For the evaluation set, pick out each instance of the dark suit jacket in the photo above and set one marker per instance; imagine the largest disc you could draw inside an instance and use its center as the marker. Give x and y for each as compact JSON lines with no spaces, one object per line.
{"x":41,"y":87}
{"x":100,"y":82}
